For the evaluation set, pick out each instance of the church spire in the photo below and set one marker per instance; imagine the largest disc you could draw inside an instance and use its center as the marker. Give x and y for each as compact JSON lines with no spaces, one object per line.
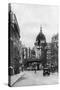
{"x":41,"y":29}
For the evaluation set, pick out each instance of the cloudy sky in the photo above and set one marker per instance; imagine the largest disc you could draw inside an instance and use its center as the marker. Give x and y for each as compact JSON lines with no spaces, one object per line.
{"x":30,"y":17}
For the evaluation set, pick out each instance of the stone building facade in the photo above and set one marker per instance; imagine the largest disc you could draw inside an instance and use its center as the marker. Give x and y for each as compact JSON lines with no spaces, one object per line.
{"x":14,"y":42}
{"x":55,"y":47}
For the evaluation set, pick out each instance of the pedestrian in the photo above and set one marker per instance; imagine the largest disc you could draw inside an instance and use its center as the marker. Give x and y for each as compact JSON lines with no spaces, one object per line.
{"x":35,"y":70}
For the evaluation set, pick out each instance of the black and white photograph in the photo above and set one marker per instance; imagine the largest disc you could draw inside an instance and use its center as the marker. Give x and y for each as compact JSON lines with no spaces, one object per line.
{"x":33,"y":44}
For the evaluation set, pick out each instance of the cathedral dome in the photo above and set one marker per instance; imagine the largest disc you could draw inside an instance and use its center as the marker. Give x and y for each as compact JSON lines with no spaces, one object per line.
{"x":40,"y":37}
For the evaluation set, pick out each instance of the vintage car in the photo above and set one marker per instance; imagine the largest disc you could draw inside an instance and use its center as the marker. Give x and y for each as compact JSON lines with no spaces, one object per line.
{"x":46,"y":71}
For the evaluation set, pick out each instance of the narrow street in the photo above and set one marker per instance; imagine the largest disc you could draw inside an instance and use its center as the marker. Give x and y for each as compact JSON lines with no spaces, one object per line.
{"x":32,"y":78}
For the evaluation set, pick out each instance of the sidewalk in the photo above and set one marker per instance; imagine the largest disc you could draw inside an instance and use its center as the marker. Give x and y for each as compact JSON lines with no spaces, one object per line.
{"x":14,"y":78}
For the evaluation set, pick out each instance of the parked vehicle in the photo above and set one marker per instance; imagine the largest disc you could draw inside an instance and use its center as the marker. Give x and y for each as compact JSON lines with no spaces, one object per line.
{"x":46,"y":71}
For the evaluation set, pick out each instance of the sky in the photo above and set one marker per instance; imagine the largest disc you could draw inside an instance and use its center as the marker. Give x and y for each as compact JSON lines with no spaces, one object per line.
{"x":30,"y":17}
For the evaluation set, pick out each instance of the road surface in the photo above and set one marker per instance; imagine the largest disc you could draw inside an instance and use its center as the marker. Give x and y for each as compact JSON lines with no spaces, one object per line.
{"x":30,"y":78}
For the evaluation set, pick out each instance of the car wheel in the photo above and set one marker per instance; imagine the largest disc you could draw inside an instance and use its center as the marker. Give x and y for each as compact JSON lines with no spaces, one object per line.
{"x":48,"y":73}
{"x":43,"y":74}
